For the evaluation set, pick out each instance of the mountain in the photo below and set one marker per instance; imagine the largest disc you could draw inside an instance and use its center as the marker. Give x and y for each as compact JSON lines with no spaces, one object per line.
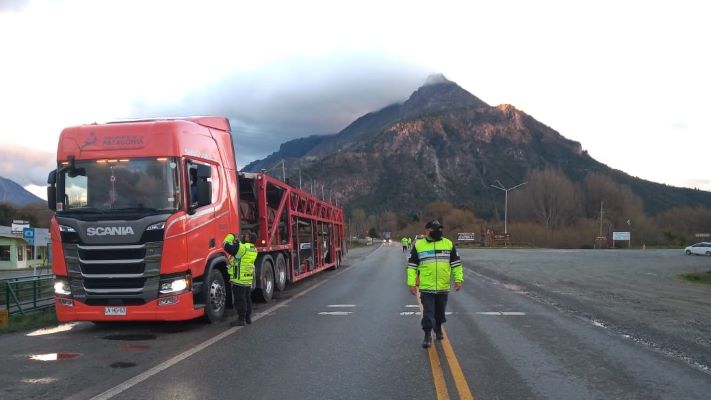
{"x":11,"y":192}
{"x":443,"y":143}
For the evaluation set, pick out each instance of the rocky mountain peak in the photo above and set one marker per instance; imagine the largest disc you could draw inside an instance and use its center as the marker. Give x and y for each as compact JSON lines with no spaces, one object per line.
{"x":437,"y":95}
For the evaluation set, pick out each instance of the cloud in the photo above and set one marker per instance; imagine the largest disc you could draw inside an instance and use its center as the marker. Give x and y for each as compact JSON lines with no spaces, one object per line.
{"x":24,"y":165}
{"x":297,"y":97}
{"x":701,"y":184}
{"x":13,"y":5}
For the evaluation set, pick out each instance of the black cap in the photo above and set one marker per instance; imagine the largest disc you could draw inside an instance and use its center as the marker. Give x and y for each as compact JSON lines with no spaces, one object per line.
{"x":434,"y":224}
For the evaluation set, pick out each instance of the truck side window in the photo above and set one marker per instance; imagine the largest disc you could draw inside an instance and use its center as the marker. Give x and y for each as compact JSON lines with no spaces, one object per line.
{"x":199,"y":179}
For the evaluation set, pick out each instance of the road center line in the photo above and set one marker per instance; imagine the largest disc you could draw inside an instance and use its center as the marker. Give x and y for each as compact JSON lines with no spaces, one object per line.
{"x":122,"y":387}
{"x":459,"y":380}
{"x":437,"y":374}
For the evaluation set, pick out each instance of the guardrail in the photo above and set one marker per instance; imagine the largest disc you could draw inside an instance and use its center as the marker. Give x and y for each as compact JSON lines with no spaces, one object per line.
{"x":27,"y":293}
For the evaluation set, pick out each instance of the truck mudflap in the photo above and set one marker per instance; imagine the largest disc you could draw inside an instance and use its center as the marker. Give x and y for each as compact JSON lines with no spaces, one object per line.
{"x":172,"y":308}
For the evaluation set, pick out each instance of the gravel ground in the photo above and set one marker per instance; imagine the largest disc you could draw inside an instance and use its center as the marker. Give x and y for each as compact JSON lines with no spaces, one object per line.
{"x":632,"y":292}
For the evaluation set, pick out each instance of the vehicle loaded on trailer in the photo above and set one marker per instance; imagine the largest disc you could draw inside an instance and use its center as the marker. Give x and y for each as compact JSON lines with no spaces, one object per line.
{"x":142,"y":208}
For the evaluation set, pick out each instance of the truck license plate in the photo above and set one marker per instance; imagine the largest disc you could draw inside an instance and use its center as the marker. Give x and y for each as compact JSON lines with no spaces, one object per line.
{"x":115,"y":311}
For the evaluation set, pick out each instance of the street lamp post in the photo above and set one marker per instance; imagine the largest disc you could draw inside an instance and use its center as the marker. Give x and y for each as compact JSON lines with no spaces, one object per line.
{"x":506,"y":200}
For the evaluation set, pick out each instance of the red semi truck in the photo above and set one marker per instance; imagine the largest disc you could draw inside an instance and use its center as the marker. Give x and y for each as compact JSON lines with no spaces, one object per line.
{"x":141,"y":208}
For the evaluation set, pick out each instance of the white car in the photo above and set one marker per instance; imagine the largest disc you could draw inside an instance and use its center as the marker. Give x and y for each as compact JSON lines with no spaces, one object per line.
{"x":703,"y":248}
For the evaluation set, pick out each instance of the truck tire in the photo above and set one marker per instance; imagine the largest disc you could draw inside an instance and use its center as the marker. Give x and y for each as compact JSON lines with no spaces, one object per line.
{"x":265,"y":288}
{"x":215,"y":296}
{"x":338,"y":263}
{"x":280,"y":270}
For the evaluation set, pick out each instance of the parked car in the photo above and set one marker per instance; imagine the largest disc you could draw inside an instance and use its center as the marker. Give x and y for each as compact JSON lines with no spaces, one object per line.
{"x":703,"y":248}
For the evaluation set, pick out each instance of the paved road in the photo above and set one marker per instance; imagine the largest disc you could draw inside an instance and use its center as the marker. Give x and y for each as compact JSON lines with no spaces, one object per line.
{"x":354,"y":333}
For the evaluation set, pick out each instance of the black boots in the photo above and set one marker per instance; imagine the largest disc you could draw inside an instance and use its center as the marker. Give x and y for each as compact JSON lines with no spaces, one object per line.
{"x":237,"y":322}
{"x":248,"y":319}
{"x":428,"y":340}
{"x":438,"y":332}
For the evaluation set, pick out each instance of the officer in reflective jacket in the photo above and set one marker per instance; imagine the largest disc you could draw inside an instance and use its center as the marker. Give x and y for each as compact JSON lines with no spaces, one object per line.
{"x":242,"y":255}
{"x":434,"y":260}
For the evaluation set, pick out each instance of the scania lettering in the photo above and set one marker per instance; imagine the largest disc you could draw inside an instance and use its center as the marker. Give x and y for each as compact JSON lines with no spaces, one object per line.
{"x":112,"y":230}
{"x":141,"y":208}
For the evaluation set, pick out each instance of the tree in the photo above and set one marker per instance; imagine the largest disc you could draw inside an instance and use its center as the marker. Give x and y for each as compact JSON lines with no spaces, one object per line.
{"x":620,"y":206}
{"x":358,"y":222}
{"x":388,"y":221}
{"x":549,"y":198}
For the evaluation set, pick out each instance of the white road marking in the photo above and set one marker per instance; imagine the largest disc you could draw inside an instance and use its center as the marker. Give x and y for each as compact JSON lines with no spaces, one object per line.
{"x":341,"y":305}
{"x":412,"y":306}
{"x":419,"y":313}
{"x":40,"y":380}
{"x":501,"y":313}
{"x":335,"y":313}
{"x":122,"y":387}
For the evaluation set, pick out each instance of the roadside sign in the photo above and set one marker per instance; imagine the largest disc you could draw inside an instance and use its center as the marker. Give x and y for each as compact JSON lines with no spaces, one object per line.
{"x":18,"y":225}
{"x":620,"y":236}
{"x":466,"y":237}
{"x":29,"y":235}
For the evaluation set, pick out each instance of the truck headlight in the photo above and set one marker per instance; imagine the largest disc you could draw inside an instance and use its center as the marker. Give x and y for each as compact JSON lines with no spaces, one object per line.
{"x":68,"y":229}
{"x":61,"y":287}
{"x":156,"y":226}
{"x":175,"y":285}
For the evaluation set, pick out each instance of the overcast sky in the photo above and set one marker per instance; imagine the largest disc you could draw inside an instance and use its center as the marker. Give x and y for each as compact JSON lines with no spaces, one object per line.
{"x":629,"y":80}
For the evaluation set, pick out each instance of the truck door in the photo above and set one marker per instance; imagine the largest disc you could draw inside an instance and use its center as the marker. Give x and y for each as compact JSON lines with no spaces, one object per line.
{"x":201,"y":229}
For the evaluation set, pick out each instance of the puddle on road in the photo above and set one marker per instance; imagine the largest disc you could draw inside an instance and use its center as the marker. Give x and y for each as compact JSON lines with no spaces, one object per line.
{"x":53,"y":356}
{"x":41,"y":381}
{"x":123,"y":364}
{"x":132,"y":348}
{"x":131,"y":337}
{"x":56,"y":329}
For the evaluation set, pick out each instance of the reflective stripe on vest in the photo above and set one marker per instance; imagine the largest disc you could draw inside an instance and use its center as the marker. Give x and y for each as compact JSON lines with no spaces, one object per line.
{"x":434,"y":269}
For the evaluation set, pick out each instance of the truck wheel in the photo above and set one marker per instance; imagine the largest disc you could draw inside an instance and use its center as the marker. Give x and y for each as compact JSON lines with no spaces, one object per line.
{"x":338,"y":263}
{"x":216,"y":296}
{"x":265,"y":290}
{"x":280,"y":272}
{"x":688,"y":252}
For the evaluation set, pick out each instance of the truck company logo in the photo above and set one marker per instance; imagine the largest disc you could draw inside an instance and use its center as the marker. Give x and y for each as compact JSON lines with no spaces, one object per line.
{"x":110,"y":231}
{"x":123,"y":141}
{"x":89,"y":141}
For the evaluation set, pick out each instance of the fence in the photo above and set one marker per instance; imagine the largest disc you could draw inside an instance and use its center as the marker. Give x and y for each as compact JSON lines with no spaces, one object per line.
{"x":27,"y":293}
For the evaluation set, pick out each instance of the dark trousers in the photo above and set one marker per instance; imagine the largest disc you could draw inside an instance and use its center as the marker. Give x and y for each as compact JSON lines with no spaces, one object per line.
{"x":433,"y":308}
{"x":404,"y":249}
{"x":242,"y":300}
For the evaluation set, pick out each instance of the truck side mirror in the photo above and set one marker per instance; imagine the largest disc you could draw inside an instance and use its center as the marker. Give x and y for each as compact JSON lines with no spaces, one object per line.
{"x":52,"y":190}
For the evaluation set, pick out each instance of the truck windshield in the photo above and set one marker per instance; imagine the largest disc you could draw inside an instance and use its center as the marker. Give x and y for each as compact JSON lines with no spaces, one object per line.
{"x":135,"y":185}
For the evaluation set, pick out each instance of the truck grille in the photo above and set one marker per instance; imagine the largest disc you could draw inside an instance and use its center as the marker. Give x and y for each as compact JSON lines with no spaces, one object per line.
{"x":114,"y":274}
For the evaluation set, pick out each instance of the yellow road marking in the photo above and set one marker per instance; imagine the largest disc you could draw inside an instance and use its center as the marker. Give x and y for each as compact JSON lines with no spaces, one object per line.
{"x":440,"y":384}
{"x":459,"y":380}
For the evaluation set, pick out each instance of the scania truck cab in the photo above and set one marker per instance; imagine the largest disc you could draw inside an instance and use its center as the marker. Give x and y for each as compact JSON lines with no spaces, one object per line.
{"x":141,"y":208}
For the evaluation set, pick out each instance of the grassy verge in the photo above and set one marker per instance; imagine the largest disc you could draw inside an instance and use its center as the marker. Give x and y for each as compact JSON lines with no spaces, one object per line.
{"x":30,"y":321}
{"x":697,"y":277}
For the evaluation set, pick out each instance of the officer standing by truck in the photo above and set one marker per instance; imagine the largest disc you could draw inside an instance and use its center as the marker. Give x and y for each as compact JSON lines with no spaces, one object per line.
{"x":241,"y":272}
{"x":434,"y":260}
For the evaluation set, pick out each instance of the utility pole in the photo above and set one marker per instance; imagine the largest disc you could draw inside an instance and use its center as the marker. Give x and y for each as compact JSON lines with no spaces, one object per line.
{"x":506,"y":200}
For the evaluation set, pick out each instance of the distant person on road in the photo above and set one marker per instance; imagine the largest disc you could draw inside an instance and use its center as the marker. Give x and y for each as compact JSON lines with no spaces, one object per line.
{"x":409,"y":242}
{"x":242,"y":254}
{"x":404,"y":244}
{"x":434,"y":260}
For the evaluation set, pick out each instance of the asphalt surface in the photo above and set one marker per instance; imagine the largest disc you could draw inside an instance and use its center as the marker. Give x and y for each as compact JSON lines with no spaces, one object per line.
{"x":527,"y":325}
